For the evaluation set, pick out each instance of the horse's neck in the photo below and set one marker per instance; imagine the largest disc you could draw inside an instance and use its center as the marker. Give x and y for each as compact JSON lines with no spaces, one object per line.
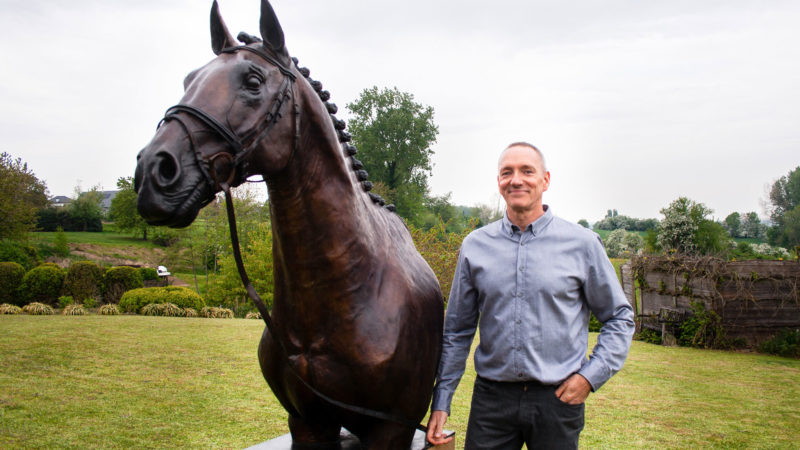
{"x":317,"y":209}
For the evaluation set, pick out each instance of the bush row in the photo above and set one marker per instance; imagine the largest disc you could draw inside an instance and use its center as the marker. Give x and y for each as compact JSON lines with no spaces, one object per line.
{"x":135,"y":300}
{"x":82,"y":281}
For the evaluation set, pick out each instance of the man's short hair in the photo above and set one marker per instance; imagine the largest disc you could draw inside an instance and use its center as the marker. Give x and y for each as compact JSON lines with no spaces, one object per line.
{"x":523,"y":144}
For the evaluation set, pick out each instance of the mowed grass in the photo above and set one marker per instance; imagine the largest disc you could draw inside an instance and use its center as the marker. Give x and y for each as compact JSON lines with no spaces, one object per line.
{"x":105,"y":237}
{"x":135,"y":381}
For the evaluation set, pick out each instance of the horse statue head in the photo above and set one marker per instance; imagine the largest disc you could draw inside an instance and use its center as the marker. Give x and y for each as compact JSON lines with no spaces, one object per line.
{"x":242,"y":103}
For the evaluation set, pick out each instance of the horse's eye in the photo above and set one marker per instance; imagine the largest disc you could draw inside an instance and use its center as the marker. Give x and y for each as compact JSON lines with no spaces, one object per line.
{"x":253,"y":82}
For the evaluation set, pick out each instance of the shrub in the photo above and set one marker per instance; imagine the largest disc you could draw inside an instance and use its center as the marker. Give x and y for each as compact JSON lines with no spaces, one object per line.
{"x":24,"y":255}
{"x":134,"y":300}
{"x":38,"y":309}
{"x":11,"y":274}
{"x":108,"y":310}
{"x":61,"y":245}
{"x":89,"y":302}
{"x":7,"y":308}
{"x":84,"y":280}
{"x":216,"y":313}
{"x":172,"y":310}
{"x":42,"y":284}
{"x":703,"y":329}
{"x":65,"y":300}
{"x":164,"y":236}
{"x":75,"y":309}
{"x":118,"y":280}
{"x":649,"y":336}
{"x":594,"y":324}
{"x":148,"y":273}
{"x":785,"y":343}
{"x":253,"y":315}
{"x":163,"y":309}
{"x":151,"y":309}
{"x":189,"y":312}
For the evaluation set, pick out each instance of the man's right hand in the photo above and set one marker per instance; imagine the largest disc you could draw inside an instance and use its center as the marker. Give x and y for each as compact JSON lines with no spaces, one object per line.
{"x":436,"y":428}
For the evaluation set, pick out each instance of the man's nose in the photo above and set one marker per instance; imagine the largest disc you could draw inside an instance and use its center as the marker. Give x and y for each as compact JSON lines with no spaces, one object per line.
{"x":516,"y":179}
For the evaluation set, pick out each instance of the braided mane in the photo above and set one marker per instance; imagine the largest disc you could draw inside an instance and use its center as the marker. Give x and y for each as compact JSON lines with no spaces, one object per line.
{"x":339,"y":124}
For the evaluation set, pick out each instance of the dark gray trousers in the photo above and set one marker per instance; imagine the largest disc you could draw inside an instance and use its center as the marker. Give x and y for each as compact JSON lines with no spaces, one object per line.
{"x":504,"y":415}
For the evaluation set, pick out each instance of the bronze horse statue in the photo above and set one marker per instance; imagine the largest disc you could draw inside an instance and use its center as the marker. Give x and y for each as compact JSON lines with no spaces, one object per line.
{"x":357,"y":312}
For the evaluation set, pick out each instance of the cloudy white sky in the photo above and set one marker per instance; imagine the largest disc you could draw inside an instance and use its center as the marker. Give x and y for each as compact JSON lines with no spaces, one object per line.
{"x":633,"y":103}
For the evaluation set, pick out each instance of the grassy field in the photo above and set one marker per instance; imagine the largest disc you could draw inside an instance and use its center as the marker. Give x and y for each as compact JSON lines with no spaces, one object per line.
{"x":135,"y":381}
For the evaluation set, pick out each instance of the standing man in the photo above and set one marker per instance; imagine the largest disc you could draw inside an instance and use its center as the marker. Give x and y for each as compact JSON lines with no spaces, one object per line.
{"x":529,"y":282}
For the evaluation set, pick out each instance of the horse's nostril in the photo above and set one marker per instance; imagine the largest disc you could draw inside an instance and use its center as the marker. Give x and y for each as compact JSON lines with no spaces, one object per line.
{"x":167,"y":169}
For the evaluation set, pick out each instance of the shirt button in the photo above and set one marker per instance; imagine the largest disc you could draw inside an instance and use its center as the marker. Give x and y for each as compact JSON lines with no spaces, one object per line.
{"x":519,"y":321}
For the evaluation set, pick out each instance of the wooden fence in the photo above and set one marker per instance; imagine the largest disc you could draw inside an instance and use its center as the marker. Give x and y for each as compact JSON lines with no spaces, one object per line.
{"x":755,"y":299}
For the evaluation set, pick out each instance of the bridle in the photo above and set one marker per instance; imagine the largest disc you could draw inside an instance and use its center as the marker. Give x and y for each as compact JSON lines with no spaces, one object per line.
{"x":240,"y":148}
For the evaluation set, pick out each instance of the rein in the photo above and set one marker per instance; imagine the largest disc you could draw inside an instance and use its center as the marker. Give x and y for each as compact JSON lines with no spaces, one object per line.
{"x":241,"y":149}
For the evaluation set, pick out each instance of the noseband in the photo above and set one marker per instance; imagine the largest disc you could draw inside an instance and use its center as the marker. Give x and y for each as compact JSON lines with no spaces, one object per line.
{"x":240,"y":146}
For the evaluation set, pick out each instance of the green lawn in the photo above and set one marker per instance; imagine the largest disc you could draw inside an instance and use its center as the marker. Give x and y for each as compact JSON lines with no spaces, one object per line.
{"x":135,"y":381}
{"x":105,"y":237}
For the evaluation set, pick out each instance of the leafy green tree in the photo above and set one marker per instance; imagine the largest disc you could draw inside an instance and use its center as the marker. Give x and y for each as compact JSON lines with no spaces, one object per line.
{"x":685,"y":229}
{"x":584,"y":223}
{"x":784,"y":196}
{"x":733,"y":223}
{"x":123,"y":210}
{"x":752,"y":226}
{"x":85,"y":211}
{"x":61,"y":244}
{"x":21,"y":195}
{"x":394,"y":134}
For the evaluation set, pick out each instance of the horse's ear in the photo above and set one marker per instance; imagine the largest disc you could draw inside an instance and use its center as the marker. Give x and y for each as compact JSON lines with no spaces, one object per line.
{"x":271,"y":31}
{"x":220,"y":36}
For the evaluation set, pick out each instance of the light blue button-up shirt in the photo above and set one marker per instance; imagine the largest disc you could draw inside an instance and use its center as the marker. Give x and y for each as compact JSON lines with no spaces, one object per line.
{"x":531,"y":292}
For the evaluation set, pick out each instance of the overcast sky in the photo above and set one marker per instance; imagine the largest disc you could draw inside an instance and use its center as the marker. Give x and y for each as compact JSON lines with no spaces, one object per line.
{"x":633,"y":103}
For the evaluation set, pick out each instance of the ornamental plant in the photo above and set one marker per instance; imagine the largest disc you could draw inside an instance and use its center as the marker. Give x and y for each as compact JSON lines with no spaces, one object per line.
{"x":38,"y":309}
{"x":11,"y":274}
{"x":7,"y":308}
{"x":118,"y":280}
{"x":42,"y":284}
{"x":134,"y":300}
{"x":84,"y":279}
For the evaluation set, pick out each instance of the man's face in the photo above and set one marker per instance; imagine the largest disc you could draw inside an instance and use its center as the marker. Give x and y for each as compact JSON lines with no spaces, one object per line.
{"x":522,"y":178}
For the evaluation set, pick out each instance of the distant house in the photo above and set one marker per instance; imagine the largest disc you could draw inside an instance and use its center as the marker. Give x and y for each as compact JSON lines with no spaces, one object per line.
{"x":107,"y":197}
{"x":59,"y":201}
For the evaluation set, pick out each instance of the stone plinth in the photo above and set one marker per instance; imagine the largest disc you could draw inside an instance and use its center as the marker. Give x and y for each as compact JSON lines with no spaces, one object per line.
{"x":350,"y":442}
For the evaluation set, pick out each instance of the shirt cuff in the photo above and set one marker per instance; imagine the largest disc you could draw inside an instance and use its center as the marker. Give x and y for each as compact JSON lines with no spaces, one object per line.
{"x":596,"y":373}
{"x":441,"y":401}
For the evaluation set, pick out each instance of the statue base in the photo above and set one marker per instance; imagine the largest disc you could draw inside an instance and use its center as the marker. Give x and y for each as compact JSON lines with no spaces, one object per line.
{"x":349,"y":442}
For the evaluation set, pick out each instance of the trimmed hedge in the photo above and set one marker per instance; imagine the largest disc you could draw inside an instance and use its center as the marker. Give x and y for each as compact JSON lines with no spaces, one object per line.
{"x":84,"y":280}
{"x":148,"y":273}
{"x":11,"y":274}
{"x":118,"y":280}
{"x":25,"y":255}
{"x":42,"y":284}
{"x":134,"y":300}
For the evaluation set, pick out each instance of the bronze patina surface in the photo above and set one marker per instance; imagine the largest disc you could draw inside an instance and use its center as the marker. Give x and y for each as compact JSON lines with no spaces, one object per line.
{"x":356,"y":307}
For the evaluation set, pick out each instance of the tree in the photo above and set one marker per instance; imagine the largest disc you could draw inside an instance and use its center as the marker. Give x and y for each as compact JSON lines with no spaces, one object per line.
{"x":752,"y":226}
{"x":123,"y":209}
{"x":584,"y":223}
{"x":21,"y":195}
{"x":85,"y":210}
{"x":394,"y":134}
{"x":620,"y":243}
{"x":784,"y":196}
{"x":733,"y":223}
{"x":685,"y":229}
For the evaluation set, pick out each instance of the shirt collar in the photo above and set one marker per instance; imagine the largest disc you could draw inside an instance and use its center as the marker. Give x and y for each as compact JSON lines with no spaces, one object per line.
{"x":535,"y":227}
